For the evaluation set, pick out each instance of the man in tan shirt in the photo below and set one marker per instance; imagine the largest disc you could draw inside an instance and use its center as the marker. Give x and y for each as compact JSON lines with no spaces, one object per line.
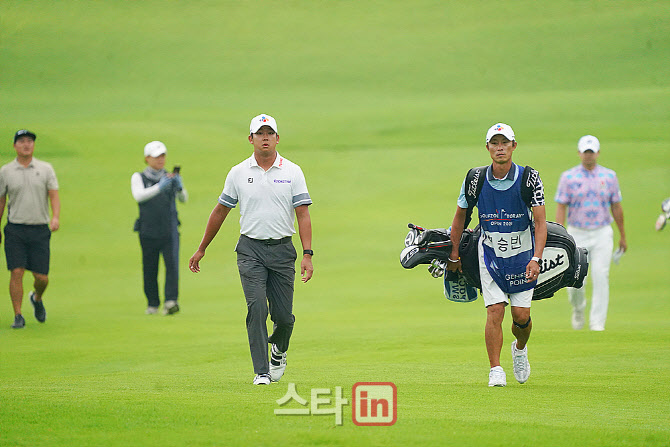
{"x":27,"y":185}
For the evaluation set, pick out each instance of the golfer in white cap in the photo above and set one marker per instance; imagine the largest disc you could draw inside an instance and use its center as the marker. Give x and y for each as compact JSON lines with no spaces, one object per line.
{"x":588,"y":192}
{"x":272,"y":193}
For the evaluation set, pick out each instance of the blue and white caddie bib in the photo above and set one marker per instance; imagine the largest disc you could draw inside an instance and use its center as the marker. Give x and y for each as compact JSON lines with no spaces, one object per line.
{"x":507,"y":238}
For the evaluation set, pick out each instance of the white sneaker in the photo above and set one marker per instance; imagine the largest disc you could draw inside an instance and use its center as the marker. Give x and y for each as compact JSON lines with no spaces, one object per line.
{"x":497,"y":376}
{"x":262,"y":379}
{"x":520,"y":363}
{"x":577,"y":319}
{"x":277,"y":363}
{"x":151,"y":310}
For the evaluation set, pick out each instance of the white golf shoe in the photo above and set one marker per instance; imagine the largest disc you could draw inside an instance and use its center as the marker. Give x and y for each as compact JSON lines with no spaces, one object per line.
{"x":170,"y":307}
{"x":277,"y":363}
{"x":520,"y":363}
{"x":497,"y":376}
{"x":262,"y":379}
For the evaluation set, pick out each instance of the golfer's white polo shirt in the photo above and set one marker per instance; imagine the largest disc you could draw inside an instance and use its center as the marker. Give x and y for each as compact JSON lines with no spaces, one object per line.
{"x":267,"y":198}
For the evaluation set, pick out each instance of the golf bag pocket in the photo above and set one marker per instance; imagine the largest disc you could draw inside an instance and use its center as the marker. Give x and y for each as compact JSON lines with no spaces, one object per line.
{"x":457,"y":288}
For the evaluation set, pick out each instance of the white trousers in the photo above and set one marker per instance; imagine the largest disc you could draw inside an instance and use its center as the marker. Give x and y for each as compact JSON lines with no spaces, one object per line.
{"x":599,"y":243}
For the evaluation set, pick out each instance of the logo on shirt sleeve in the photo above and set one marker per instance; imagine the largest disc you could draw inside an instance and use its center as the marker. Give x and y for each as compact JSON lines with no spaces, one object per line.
{"x":250,"y":180}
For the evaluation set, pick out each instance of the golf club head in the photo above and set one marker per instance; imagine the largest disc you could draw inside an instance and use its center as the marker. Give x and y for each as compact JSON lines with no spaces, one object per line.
{"x":415,"y":255}
{"x":660,"y":222}
{"x":412,"y":237}
{"x":665,"y":206}
{"x":432,"y":236}
{"x":423,"y":246}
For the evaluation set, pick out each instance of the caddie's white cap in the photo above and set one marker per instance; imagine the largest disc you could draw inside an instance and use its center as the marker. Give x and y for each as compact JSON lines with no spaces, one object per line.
{"x":588,"y":143}
{"x":262,"y":120}
{"x":154,"y":149}
{"x":500,"y":129}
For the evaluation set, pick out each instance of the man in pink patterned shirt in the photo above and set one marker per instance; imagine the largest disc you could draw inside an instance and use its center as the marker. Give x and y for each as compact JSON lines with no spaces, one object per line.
{"x":588,"y":192}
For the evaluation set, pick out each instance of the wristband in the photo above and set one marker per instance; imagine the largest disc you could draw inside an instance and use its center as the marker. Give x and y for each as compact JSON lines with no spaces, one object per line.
{"x":536,"y":259}
{"x":451,"y":260}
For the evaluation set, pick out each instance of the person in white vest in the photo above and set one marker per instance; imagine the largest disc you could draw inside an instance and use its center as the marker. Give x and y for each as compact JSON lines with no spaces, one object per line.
{"x":155,"y":191}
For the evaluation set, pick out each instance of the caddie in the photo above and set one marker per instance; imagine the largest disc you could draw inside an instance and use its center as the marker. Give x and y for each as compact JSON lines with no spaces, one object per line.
{"x":509,"y":251}
{"x":272,"y":193}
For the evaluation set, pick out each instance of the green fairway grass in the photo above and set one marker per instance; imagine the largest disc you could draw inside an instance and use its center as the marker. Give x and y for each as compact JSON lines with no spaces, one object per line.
{"x":385,"y":106}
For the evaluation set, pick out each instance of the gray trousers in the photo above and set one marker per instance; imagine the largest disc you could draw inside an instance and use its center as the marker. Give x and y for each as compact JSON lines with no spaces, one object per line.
{"x":267,"y":273}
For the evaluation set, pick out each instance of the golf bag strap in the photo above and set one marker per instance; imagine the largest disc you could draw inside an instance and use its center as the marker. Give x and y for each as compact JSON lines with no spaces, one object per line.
{"x":474,"y":182}
{"x":528,"y":181}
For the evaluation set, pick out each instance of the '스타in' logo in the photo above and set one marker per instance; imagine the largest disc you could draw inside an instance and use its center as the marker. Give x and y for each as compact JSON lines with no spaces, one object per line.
{"x":374,"y":403}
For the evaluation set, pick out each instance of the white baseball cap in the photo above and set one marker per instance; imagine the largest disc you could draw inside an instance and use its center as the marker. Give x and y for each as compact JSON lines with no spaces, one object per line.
{"x":262,"y":120}
{"x":588,"y":143}
{"x":154,"y":149}
{"x":500,"y":129}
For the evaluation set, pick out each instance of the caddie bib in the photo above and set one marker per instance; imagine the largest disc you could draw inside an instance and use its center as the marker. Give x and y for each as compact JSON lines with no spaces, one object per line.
{"x":507,"y":238}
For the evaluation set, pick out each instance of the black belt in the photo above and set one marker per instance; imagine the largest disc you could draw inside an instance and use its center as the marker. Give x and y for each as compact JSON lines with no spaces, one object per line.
{"x":284,"y":240}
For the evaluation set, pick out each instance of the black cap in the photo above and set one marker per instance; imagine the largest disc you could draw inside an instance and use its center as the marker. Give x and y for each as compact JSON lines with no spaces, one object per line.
{"x":24,"y":133}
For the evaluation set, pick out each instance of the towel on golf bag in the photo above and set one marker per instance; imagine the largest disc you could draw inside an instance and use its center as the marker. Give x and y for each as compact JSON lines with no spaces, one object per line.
{"x":563,"y":264}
